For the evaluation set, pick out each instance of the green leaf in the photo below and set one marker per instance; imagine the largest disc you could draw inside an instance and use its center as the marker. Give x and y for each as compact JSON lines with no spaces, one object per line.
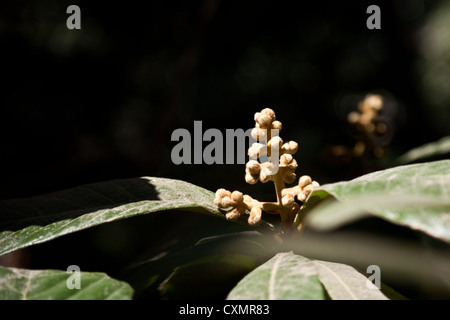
{"x":26,"y":222}
{"x":21,"y":284}
{"x":416,"y":196}
{"x":284,"y":277}
{"x":288,"y":276}
{"x":426,"y":151}
{"x":343,"y":282}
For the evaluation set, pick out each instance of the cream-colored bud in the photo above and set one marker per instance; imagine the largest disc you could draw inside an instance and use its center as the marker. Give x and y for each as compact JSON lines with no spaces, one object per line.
{"x":251,"y":179}
{"x":301,"y":196}
{"x":290,"y":147}
{"x":286,"y":159}
{"x":374,"y":101}
{"x":269,"y":112}
{"x":264,"y":121}
{"x":304,"y":181}
{"x":257,"y":150}
{"x":266,"y":172}
{"x":233,"y":214}
{"x":220,"y":193}
{"x":287,"y":200}
{"x":255,"y":216}
{"x":237,"y":197}
{"x":275,"y":143}
{"x":277,"y":125}
{"x":315,"y":184}
{"x":307,"y":190}
{"x":259,"y":134}
{"x":265,"y":118}
{"x":353,"y":117}
{"x":253,"y":167}
{"x":227,"y":202}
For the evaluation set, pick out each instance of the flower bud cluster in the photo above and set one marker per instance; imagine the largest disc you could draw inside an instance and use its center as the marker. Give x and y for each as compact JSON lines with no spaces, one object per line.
{"x":302,"y":190}
{"x":369,"y":109}
{"x":236,"y":204}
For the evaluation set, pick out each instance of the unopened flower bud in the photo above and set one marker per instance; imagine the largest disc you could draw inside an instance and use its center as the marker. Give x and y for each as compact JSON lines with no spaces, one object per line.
{"x":255,"y":216}
{"x":266,"y":172}
{"x":257,"y":150}
{"x":253,"y":167}
{"x":287,"y":200}
{"x":250,"y":179}
{"x":290,"y":147}
{"x":259,"y":134}
{"x":277,"y":125}
{"x":265,"y":118}
{"x":304,"y":181}
{"x":237,"y":197}
{"x":233,"y":214}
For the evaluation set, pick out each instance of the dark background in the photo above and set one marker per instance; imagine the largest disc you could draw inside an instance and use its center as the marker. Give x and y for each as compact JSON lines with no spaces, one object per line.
{"x":100,"y":103}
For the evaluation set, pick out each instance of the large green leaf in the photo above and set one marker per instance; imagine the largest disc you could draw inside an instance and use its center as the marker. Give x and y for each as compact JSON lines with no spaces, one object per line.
{"x":284,"y":277}
{"x":416,"y":196}
{"x":288,"y":276}
{"x":25,"y":222}
{"x":21,"y":284}
{"x":426,"y":151}
{"x":343,"y":282}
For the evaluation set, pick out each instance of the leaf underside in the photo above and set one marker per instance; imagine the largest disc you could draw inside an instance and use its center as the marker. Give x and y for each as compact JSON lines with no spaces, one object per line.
{"x":25,"y":222}
{"x":20,"y":284}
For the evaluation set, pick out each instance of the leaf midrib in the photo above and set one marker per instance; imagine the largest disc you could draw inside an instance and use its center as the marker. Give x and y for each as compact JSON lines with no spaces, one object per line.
{"x":344,"y":285}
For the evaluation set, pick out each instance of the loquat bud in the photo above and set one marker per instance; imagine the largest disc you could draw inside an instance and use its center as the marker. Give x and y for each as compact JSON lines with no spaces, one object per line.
{"x":275,"y":143}
{"x":255,"y":216}
{"x":259,"y":134}
{"x":250,"y":179}
{"x":374,"y":101}
{"x":286,"y":159}
{"x":277,"y":125}
{"x":307,"y":190}
{"x":233,"y":214}
{"x":253,"y":167}
{"x":226,"y":202}
{"x":290,"y":147}
{"x":220,"y":193}
{"x":266,"y":172}
{"x":265,"y":118}
{"x":301,"y":196}
{"x":304,"y":181}
{"x":353,"y":117}
{"x":257,"y":150}
{"x":287,"y":200}
{"x":237,"y":197}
